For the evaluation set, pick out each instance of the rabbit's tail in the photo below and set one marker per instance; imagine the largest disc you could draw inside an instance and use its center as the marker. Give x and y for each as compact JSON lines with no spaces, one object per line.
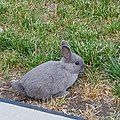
{"x":17,"y":86}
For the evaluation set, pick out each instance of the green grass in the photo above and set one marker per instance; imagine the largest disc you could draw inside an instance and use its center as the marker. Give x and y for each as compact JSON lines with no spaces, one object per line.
{"x":32,"y":33}
{"x":113,"y":70}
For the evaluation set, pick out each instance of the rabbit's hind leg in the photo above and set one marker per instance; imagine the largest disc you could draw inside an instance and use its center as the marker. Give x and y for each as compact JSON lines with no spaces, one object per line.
{"x":61,"y":94}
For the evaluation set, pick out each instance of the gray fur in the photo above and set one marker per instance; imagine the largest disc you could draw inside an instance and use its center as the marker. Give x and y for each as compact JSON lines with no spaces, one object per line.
{"x":51,"y":79}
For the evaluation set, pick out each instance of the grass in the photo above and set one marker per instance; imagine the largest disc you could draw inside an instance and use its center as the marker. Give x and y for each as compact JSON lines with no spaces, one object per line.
{"x":113,"y":70}
{"x":33,"y":29}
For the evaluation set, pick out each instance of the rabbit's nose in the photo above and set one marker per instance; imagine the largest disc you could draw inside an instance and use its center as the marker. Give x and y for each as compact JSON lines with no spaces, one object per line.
{"x":81,"y":74}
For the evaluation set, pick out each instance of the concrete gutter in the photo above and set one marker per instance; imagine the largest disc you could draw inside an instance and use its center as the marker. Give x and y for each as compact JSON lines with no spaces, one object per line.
{"x":11,"y":110}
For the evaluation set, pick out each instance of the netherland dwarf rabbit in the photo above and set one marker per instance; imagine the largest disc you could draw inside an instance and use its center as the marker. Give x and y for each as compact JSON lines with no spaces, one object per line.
{"x":52,"y":78}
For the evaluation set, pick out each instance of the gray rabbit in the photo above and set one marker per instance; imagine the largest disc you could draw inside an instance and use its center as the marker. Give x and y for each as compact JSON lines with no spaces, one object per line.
{"x":52,"y":78}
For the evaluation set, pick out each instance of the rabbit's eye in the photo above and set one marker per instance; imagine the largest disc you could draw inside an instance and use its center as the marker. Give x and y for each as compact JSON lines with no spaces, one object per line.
{"x":77,"y":63}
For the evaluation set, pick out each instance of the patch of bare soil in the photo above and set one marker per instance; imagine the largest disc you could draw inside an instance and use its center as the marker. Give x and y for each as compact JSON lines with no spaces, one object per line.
{"x":93,"y":102}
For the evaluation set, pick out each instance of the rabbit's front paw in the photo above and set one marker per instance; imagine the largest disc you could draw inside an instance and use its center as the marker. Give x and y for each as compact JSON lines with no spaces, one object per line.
{"x":61,"y":94}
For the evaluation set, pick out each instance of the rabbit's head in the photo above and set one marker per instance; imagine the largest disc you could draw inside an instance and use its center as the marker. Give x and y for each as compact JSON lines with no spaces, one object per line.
{"x":71,"y":61}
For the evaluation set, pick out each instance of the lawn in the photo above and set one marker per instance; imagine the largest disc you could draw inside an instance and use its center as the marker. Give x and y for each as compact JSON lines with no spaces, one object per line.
{"x":30,"y":34}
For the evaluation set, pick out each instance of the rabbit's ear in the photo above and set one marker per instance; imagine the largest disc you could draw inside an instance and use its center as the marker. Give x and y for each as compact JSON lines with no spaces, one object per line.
{"x":64,"y":43}
{"x":66,"y":52}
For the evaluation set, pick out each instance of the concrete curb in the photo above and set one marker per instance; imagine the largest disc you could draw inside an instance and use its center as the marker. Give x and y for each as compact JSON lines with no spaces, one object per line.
{"x":13,"y":110}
